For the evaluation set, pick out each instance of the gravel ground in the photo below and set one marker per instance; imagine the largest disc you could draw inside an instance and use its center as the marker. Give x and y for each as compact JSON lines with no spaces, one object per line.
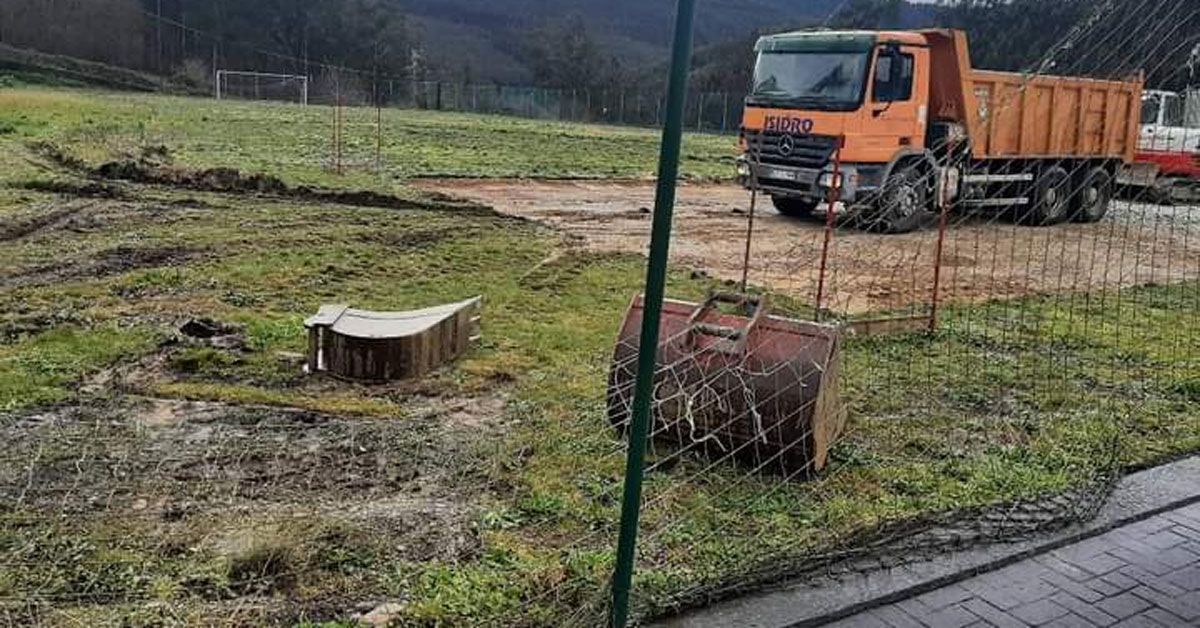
{"x":984,"y":257}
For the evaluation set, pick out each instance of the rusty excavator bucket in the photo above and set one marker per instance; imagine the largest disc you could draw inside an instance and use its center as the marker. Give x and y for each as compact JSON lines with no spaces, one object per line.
{"x":735,"y":382}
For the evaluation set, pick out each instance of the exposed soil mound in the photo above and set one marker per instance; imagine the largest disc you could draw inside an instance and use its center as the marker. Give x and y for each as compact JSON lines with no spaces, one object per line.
{"x":211,"y":180}
{"x":84,"y":189}
{"x":231,"y":180}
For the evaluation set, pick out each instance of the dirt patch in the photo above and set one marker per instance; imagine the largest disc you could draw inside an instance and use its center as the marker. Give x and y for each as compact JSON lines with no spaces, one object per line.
{"x":115,"y":261}
{"x":233,"y":503}
{"x":179,"y":458}
{"x":983,"y":257}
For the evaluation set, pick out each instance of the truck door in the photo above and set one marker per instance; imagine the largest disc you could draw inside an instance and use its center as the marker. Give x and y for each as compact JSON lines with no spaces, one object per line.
{"x":898,"y":107}
{"x":1166,"y":131}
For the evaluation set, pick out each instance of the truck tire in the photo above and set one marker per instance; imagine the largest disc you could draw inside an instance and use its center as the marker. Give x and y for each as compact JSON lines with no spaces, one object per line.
{"x":1093,"y":197}
{"x":794,"y":206}
{"x":1050,"y":201}
{"x":903,"y":205}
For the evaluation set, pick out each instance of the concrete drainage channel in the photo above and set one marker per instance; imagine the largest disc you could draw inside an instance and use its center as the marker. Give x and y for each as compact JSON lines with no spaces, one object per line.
{"x":1137,"y":497}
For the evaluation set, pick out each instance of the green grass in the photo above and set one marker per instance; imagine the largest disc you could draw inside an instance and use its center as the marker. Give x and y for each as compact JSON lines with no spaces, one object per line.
{"x":1009,"y":401}
{"x":42,"y":369}
{"x":295,"y":143}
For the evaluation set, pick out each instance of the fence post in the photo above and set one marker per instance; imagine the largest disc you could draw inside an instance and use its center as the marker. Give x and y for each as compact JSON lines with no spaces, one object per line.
{"x":438,"y":100}
{"x":724,"y":112}
{"x":656,"y":274}
{"x":835,"y":192}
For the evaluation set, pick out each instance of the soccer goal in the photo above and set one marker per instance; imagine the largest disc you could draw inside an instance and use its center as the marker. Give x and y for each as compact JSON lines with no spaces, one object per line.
{"x":262,"y":86}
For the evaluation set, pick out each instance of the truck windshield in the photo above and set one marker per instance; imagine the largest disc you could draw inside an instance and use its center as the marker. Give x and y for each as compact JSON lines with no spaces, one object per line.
{"x":813,"y":80}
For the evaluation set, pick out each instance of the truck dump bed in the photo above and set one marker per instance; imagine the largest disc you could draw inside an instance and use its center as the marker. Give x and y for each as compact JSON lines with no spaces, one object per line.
{"x":1012,"y":115}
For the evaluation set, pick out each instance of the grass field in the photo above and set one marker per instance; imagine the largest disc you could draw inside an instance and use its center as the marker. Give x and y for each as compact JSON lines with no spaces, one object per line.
{"x":152,"y":478}
{"x":295,"y":143}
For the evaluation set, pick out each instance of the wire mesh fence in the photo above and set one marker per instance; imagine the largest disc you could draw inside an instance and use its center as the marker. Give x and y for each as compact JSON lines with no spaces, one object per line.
{"x":985,"y":376}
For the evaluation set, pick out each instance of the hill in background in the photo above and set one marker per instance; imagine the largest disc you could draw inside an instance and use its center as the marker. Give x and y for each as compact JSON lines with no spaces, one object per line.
{"x":486,"y":39}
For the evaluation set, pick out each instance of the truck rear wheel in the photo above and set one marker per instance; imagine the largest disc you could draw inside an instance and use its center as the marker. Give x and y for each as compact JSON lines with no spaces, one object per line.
{"x":1093,"y":197}
{"x":1050,"y":202}
{"x":794,"y":206}
{"x":903,"y":205}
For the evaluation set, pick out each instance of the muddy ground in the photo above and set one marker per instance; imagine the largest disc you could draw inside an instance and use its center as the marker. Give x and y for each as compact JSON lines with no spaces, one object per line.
{"x":984,"y":257}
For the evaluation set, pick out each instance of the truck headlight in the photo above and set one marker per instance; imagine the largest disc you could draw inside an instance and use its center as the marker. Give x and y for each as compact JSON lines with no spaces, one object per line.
{"x":743,"y":169}
{"x":830,"y":180}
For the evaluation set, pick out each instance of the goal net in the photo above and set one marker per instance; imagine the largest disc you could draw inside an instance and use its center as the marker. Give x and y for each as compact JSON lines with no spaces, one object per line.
{"x":262,"y":86}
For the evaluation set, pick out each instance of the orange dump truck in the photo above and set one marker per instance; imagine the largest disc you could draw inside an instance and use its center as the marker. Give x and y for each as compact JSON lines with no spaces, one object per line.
{"x":902,"y":126}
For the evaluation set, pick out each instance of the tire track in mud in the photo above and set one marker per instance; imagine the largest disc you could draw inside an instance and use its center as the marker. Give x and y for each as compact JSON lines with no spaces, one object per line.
{"x":45,"y":222}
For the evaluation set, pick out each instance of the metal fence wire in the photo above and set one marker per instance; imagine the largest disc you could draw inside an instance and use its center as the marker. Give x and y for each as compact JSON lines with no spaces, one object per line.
{"x":977,"y":380}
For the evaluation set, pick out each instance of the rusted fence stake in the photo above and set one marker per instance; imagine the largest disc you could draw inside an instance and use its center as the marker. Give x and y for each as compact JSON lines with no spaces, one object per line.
{"x":835,"y":191}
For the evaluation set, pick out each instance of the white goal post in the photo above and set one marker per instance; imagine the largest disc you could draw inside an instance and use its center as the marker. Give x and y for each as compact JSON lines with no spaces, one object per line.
{"x":259,"y":81}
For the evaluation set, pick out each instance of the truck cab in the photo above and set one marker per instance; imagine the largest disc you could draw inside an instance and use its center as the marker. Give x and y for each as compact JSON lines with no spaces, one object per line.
{"x":856,"y":94}
{"x":1167,"y":169}
{"x":897,"y":124}
{"x":1170,"y":123}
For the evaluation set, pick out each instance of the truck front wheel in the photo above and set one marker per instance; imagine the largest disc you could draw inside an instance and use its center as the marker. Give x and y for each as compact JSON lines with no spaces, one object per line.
{"x":794,"y":206}
{"x":903,"y":205}
{"x":1050,"y":203}
{"x":1093,"y":197}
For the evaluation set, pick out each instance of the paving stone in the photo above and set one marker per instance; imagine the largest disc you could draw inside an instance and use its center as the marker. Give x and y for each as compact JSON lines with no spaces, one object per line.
{"x":1143,"y":575}
{"x":1145,"y":558}
{"x":914,"y":607}
{"x":1187,"y":579}
{"x":950,"y":617}
{"x":1167,"y":619}
{"x":1154,"y":581}
{"x":1192,"y":511}
{"x":861,"y":620}
{"x":1084,"y":549}
{"x":1124,"y":605}
{"x":1178,"y":557}
{"x":1165,"y":539}
{"x":1084,"y":609}
{"x":1101,"y":564}
{"x":1184,"y":606}
{"x":1120,"y":580}
{"x":1192,"y":523}
{"x":1147,"y":527}
{"x":993,"y":615}
{"x":1080,"y":590}
{"x":1013,"y":596}
{"x":1062,"y":567}
{"x":1138,"y":621}
{"x":1070,"y":620}
{"x":1039,"y":612}
{"x":945,"y":596}
{"x":895,"y":617}
{"x":1105,"y":589}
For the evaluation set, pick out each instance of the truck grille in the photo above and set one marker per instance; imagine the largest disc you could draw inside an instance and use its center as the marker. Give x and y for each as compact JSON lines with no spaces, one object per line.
{"x":806,"y":151}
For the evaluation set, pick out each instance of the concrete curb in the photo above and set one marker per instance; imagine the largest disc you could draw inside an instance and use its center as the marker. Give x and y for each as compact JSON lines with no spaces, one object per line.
{"x":1137,"y":496}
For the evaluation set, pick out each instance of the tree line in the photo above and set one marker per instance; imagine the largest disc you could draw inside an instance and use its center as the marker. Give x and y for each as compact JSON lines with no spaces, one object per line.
{"x":187,"y":38}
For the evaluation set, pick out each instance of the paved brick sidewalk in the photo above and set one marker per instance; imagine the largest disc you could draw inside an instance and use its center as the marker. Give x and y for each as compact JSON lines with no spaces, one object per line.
{"x":1145,"y":574}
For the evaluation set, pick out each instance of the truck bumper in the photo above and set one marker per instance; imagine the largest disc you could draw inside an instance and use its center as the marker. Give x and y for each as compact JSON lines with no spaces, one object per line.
{"x":856,"y":182}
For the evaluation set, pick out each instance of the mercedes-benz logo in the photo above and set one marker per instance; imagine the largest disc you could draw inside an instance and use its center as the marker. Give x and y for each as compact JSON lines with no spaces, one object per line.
{"x":787,"y":144}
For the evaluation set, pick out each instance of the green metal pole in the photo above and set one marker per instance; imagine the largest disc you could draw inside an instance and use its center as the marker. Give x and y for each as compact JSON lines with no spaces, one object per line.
{"x":656,"y":277}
